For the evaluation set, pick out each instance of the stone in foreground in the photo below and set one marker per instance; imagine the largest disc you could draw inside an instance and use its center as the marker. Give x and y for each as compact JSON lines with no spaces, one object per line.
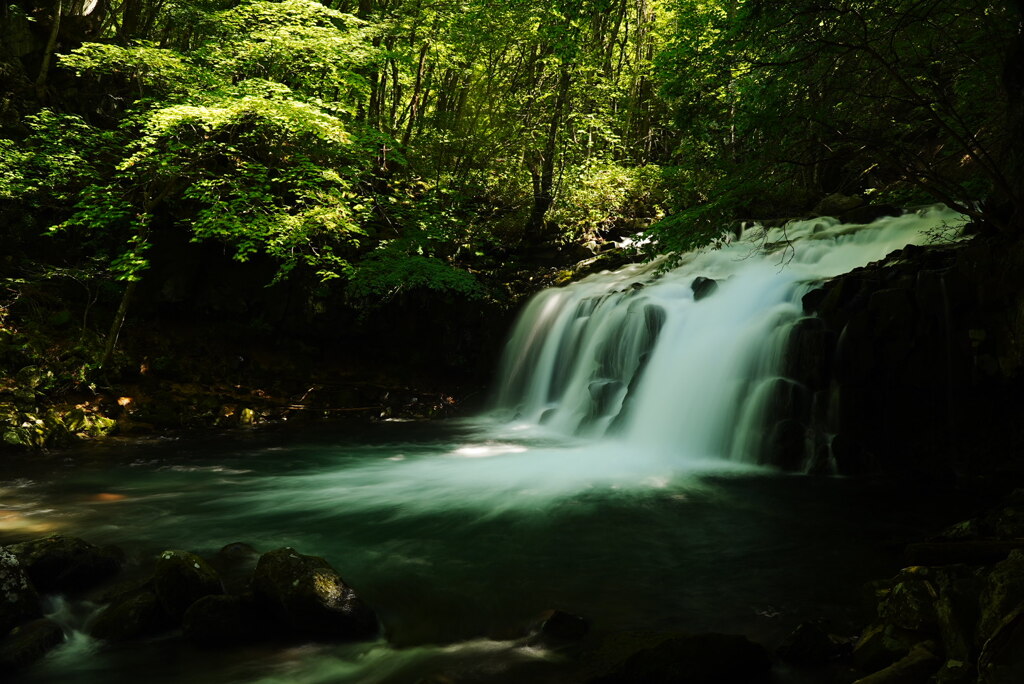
{"x":309,"y":598}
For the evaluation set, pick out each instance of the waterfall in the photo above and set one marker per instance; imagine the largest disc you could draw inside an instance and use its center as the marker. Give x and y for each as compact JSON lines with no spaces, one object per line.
{"x":687,"y":358}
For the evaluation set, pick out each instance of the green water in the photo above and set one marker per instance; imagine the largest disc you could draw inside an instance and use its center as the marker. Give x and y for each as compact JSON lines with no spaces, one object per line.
{"x":461,"y":535}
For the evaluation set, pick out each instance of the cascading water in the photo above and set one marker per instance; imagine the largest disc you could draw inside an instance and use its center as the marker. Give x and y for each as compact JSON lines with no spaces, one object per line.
{"x":457,"y":531}
{"x":687,"y":359}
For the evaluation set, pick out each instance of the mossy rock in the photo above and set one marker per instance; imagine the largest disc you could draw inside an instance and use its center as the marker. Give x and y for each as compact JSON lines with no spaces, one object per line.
{"x":19,"y":601}
{"x":180,"y":579}
{"x":67,"y":564}
{"x":309,"y":597}
{"x":132,"y":616}
{"x":1003,"y":592}
{"x":28,"y":643}
{"x":226,"y":620}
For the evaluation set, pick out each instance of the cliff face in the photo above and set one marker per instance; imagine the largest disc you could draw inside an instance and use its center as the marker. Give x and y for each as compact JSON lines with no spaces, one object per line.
{"x":914,"y":364}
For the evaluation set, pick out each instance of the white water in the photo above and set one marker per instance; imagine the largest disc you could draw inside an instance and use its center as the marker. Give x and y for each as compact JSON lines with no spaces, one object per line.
{"x":631,"y":355}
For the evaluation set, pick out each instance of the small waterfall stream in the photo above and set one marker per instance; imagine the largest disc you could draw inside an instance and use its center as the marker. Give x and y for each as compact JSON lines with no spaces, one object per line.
{"x":687,"y":359}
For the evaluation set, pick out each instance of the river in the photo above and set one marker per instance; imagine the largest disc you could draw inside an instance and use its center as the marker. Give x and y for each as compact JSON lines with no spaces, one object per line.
{"x":616,"y":477}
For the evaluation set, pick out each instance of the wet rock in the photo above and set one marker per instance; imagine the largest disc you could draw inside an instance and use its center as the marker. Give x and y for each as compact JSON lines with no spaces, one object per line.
{"x":225,"y":620}
{"x":698,"y":659}
{"x":810,"y":644}
{"x":561,"y":628}
{"x":19,"y":601}
{"x":786,"y":446}
{"x":67,"y":564}
{"x":604,"y":395}
{"x":837,"y":203}
{"x":181,"y":578}
{"x":309,"y":597}
{"x":916,"y":667}
{"x":28,"y":643}
{"x":235,"y":563}
{"x":869,"y":213}
{"x":1002,"y":593}
{"x":1002,"y":658}
{"x":131,"y":616}
{"x":703,"y":287}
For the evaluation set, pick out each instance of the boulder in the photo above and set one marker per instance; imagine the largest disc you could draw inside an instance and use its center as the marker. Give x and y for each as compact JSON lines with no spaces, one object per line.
{"x":698,"y":659}
{"x":67,"y":564}
{"x":917,"y":667}
{"x":810,"y":644}
{"x":910,"y":604}
{"x":956,"y":611}
{"x":225,"y":620}
{"x":134,"y":615}
{"x":703,"y":287}
{"x":28,"y":643}
{"x":837,"y":204}
{"x":19,"y":601}
{"x":786,"y":445}
{"x":309,"y":597}
{"x":1002,"y":593}
{"x":1002,"y":658}
{"x":880,"y":646}
{"x":869,"y":213}
{"x":235,"y":563}
{"x":561,"y":628}
{"x":181,"y":578}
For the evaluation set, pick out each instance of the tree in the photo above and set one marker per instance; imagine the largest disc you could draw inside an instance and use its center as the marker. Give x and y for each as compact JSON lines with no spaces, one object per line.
{"x":846,"y":95}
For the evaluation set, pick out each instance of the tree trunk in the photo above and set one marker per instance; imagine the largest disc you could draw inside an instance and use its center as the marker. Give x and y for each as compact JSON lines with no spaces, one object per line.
{"x":414,"y":103}
{"x":544,"y":172}
{"x":115,"y":327}
{"x":51,"y":46}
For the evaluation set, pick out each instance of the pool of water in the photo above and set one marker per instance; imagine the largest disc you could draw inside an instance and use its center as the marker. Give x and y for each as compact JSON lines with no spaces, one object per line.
{"x":461,"y":535}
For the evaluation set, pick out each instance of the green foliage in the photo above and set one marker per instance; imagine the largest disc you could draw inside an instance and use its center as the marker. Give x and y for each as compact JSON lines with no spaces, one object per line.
{"x":390,"y":270}
{"x":815,"y":97}
{"x":231,"y":146}
{"x":152,"y":70}
{"x":61,"y":155}
{"x":600,"y":195}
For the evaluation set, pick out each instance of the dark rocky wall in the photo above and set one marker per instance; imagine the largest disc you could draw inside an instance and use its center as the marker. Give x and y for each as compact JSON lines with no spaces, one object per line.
{"x":914,"y":364}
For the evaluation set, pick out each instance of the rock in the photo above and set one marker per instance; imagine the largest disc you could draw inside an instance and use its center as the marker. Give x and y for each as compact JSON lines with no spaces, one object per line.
{"x":916,"y":667}
{"x":836,"y":204}
{"x":956,"y":611}
{"x":67,"y":564}
{"x":309,"y":598}
{"x":869,"y":213}
{"x":1002,"y":593}
{"x":786,"y":446}
{"x":131,"y":616}
{"x":181,"y":578}
{"x":561,"y":628}
{"x":809,"y":644}
{"x":910,"y":604}
{"x":879,"y":647}
{"x":19,"y":601}
{"x":1002,"y":658}
{"x":235,"y":564}
{"x":969,"y":551}
{"x":225,"y":620}
{"x":28,"y":643}
{"x":698,"y":659}
{"x":703,"y":287}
